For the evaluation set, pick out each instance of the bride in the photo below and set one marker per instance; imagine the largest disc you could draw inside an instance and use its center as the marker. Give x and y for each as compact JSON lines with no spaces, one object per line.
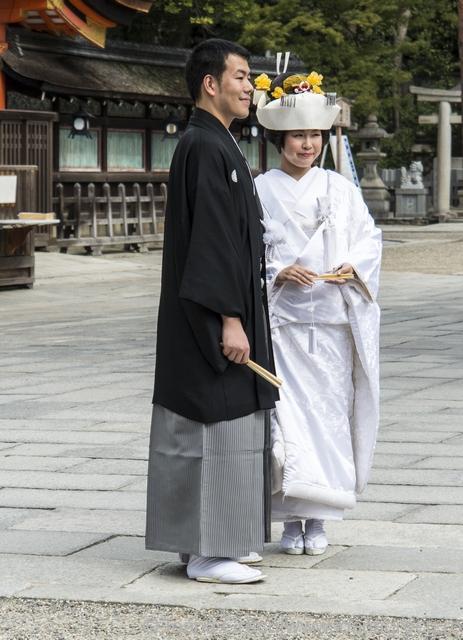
{"x":325,"y":331}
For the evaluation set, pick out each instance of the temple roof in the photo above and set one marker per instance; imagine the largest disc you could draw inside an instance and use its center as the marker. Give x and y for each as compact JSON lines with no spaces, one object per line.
{"x":65,"y":67}
{"x":85,"y":18}
{"x":123,"y":70}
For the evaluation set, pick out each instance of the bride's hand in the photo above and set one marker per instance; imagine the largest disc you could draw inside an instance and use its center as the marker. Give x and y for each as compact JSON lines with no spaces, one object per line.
{"x":344,"y":268}
{"x":296,"y":273}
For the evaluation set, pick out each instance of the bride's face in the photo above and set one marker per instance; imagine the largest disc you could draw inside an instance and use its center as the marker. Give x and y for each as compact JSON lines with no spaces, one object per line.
{"x":302,"y":147}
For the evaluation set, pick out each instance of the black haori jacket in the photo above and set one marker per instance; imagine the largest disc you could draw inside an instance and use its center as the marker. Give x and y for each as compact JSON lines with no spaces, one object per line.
{"x":211,"y":267}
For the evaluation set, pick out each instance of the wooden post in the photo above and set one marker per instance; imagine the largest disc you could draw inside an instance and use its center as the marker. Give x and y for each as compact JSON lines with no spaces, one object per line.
{"x":92,"y":206}
{"x":77,"y":206}
{"x":152,"y":205}
{"x":60,"y":207}
{"x":122,"y":196}
{"x":109,"y":209}
{"x":137,"y":194}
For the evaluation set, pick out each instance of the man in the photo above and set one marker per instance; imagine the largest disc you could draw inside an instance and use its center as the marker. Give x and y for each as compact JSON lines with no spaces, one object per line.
{"x":205,"y":477}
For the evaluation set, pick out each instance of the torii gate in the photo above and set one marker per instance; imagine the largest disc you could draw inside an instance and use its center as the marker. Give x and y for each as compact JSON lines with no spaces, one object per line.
{"x":444,"y":119}
{"x":86,"y":18}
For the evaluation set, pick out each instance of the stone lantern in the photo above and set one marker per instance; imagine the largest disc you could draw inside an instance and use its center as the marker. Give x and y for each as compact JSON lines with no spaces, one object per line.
{"x":373,"y":188}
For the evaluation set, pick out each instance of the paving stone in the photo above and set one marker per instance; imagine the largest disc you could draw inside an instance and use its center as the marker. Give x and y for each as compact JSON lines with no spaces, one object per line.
{"x":54,"y":437}
{"x":10,"y":517}
{"x":430,"y":424}
{"x":35,"y":463}
{"x":109,"y":467}
{"x":425,"y":358}
{"x":352,"y":533}
{"x":420,"y":449}
{"x":413,"y":494}
{"x":395,"y":461}
{"x":388,"y":511}
{"x":138,"y":485}
{"x":26,"y":408}
{"x":113,"y":522}
{"x":62,"y":480}
{"x":142,"y":427}
{"x":46,"y":543}
{"x":438,"y":513}
{"x":125,"y":452}
{"x":403,"y":383}
{"x":395,"y":435}
{"x":127,"y":548}
{"x":418,"y":477}
{"x":109,"y":412}
{"x":450,"y":390}
{"x":443,"y":372}
{"x":405,"y":409}
{"x":63,"y":389}
{"x":254,"y":602}
{"x":274,"y":557}
{"x":427,"y":589}
{"x":46,"y":424}
{"x":415,"y":560}
{"x":49,"y":571}
{"x":435,"y":462}
{"x":11,"y":398}
{"x":432,"y":420}
{"x":43,"y":498}
{"x":90,"y":394}
{"x":5,"y":446}
{"x":455,"y":440}
{"x":456,"y":411}
{"x":350,"y":586}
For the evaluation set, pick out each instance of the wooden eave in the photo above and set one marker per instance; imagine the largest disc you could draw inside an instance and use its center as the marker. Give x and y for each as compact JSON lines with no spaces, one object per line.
{"x":138,"y":5}
{"x":112,"y":11}
{"x":124,"y":71}
{"x":81,"y":6}
{"x":87,"y":18}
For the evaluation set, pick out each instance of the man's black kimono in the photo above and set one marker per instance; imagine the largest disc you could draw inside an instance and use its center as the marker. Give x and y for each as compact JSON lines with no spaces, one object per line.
{"x":211,"y":267}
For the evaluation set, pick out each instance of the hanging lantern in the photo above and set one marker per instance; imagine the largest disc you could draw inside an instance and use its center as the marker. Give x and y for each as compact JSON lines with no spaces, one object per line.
{"x":171,"y":126}
{"x":80,"y":125}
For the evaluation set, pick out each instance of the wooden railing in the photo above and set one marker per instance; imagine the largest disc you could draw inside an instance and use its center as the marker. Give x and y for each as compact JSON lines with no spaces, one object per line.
{"x":93,"y":221}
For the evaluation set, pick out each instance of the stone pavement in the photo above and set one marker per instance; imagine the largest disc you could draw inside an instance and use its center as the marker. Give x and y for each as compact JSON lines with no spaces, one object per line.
{"x":77,"y":358}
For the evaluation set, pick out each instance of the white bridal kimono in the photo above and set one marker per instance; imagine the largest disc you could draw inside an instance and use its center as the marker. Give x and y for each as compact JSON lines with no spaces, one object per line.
{"x":325,"y":341}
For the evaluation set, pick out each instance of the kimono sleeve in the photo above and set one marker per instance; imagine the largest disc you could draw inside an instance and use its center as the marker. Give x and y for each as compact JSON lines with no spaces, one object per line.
{"x":365,"y":245}
{"x":212,"y":283}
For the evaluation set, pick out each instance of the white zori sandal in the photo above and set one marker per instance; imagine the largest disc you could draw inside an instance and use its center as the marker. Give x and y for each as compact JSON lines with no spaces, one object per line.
{"x":251,"y":558}
{"x":315,"y":540}
{"x":293,"y":545}
{"x":221,"y":570}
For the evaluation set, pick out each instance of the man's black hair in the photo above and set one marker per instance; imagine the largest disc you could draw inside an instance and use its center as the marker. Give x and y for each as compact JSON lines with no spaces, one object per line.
{"x":209,"y":58}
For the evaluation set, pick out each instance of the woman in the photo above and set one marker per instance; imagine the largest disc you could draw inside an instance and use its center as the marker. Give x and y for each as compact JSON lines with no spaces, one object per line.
{"x":324,"y":331}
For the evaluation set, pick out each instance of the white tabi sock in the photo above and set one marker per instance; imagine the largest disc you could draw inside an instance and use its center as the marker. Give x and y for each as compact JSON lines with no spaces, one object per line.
{"x":293,"y":529}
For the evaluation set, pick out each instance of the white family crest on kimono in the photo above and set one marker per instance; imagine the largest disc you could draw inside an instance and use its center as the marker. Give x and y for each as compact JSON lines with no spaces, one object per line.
{"x":321,"y":222}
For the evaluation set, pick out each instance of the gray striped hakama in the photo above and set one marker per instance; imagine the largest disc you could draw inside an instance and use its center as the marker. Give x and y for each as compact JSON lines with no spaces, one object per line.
{"x":205,"y":485}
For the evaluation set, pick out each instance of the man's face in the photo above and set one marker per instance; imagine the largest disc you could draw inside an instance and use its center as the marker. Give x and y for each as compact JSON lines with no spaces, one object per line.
{"x":233,"y":96}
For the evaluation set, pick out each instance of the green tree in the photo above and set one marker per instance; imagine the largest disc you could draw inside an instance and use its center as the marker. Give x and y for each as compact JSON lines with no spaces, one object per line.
{"x":368,"y":50}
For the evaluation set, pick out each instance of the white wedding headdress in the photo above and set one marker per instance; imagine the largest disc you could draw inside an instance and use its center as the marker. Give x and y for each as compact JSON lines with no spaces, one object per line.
{"x":299,"y":104}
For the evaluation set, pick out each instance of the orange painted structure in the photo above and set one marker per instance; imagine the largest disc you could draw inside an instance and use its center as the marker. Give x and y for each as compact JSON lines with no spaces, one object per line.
{"x":86,"y":18}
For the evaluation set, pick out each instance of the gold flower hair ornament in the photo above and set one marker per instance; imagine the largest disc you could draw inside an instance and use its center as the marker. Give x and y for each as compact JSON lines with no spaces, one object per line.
{"x":292,"y":85}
